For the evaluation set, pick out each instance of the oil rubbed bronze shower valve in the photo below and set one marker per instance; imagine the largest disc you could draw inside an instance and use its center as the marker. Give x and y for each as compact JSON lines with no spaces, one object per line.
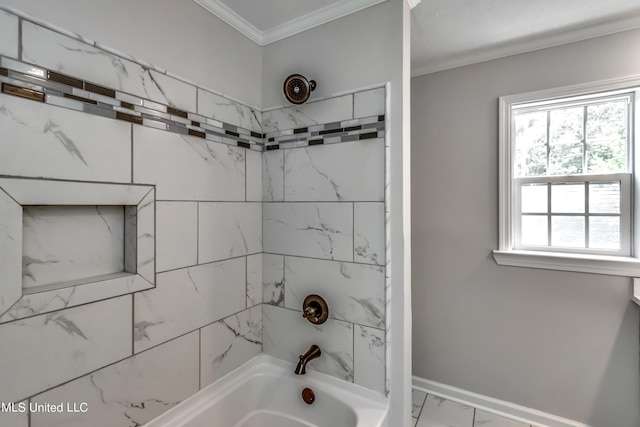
{"x":315,"y":309}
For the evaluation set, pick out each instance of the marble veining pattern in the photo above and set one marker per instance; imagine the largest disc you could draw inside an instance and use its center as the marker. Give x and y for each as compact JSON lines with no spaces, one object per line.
{"x":309,"y":114}
{"x":254,"y":280}
{"x":188,"y":168}
{"x":131,"y":392}
{"x":8,"y":34}
{"x":225,"y":110}
{"x":354,"y":292}
{"x":62,"y":244}
{"x":73,"y":57}
{"x":11,"y":249}
{"x":335,"y":339}
{"x":78,"y":340}
{"x":320,"y":230}
{"x":70,"y":145}
{"x":228,"y":230}
{"x":273,"y":279}
{"x":368,"y":228}
{"x":273,"y":176}
{"x":352,"y":171}
{"x":229,"y":343}
{"x":177,"y":235}
{"x":369,"y":358}
{"x":187,"y":299}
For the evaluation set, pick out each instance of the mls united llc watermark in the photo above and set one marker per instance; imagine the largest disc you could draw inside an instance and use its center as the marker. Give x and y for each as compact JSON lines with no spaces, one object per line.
{"x":33,"y":407}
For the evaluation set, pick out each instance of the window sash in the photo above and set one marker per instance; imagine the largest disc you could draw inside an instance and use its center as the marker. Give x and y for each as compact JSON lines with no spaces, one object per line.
{"x":625,"y":213}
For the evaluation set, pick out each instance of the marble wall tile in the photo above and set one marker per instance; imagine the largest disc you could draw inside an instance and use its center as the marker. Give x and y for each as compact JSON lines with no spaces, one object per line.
{"x":187,"y":299}
{"x":69,"y":56}
{"x":229,"y":230}
{"x":335,"y":339}
{"x":352,"y":171}
{"x":254,"y":280}
{"x":438,"y":412}
{"x":369,"y":358}
{"x":177,"y":235}
{"x":131,"y":392}
{"x":354,"y":292}
{"x":309,"y":114}
{"x":229,"y":343}
{"x":273,"y":176}
{"x":62,"y":345}
{"x":319,"y":230}
{"x":67,"y":243}
{"x":8,"y":34}
{"x":19,"y":418}
{"x":187,"y":167}
{"x":228,"y":111}
{"x":58,"y":299}
{"x":254,"y":176}
{"x":42,"y":141}
{"x":369,"y":103}
{"x":11,"y":249}
{"x":146,"y":229}
{"x":369,"y":233}
{"x":273,"y":279}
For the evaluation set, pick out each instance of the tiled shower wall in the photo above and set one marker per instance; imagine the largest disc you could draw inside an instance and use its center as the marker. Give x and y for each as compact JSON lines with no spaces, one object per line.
{"x":131,"y":357}
{"x":324,"y":233}
{"x":315,"y":199}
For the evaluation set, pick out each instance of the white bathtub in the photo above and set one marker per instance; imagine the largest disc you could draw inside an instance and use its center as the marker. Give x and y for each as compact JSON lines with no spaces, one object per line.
{"x":266,"y":393}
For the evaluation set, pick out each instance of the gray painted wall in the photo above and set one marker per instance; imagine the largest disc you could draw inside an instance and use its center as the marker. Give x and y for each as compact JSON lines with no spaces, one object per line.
{"x":560,"y":342}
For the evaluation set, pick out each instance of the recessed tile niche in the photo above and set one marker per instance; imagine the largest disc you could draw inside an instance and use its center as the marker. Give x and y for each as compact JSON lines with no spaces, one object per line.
{"x":69,"y":243}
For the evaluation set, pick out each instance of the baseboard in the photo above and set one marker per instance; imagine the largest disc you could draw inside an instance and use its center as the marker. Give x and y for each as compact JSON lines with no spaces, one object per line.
{"x":506,"y":409}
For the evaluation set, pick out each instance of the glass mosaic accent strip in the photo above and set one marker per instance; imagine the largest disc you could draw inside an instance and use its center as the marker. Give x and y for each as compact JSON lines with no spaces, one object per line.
{"x":38,"y":84}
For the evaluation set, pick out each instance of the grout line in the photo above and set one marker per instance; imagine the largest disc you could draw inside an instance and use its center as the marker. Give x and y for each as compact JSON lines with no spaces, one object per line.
{"x":133,"y":324}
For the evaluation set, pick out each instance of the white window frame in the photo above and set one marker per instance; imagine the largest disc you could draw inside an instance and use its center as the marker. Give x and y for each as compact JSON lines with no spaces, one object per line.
{"x":508,"y":252}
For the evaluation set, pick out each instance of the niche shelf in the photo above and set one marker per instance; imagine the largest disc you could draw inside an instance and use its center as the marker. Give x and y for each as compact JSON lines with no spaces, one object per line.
{"x":67,"y":243}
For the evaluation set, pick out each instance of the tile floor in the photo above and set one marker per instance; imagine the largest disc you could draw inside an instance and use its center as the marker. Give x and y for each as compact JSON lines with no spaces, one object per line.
{"x":432,"y":411}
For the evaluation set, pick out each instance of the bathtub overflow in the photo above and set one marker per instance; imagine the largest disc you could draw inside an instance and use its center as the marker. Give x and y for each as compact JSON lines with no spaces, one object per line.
{"x":308,"y":396}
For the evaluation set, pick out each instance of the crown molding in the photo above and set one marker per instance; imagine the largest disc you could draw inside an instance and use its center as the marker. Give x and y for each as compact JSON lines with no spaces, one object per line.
{"x":295,"y":26}
{"x":517,"y":47}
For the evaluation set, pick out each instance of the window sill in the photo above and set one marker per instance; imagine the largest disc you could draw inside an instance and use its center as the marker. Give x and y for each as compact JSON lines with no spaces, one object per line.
{"x":596,"y":264}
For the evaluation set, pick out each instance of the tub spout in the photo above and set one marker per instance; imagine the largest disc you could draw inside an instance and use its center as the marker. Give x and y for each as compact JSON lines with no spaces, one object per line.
{"x":313,"y":353}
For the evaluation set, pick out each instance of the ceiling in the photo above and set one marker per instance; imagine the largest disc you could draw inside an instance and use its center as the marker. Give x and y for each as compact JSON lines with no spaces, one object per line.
{"x":445,"y":33}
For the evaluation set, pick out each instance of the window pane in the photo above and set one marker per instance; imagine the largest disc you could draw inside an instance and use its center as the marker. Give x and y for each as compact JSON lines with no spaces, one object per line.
{"x":567,"y":231}
{"x":534,"y":230}
{"x":607,"y":121}
{"x":566,"y":125}
{"x":567,"y":198}
{"x":604,"y":197}
{"x":604,"y":232}
{"x":565,"y":159}
{"x":534,"y":198}
{"x":531,"y":161}
{"x":531,"y":139}
{"x":606,"y":157}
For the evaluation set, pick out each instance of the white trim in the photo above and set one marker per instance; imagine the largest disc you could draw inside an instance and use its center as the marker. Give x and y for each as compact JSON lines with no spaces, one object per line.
{"x":511,"y":410}
{"x":530,"y":44}
{"x":289,"y":28}
{"x":506,"y":255}
{"x":582,"y":263}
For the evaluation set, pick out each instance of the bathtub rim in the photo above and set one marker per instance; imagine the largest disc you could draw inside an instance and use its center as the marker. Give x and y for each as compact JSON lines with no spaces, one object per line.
{"x":376,"y":404}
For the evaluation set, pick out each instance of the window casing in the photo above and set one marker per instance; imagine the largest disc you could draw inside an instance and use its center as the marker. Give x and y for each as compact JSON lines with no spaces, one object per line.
{"x":567,"y":179}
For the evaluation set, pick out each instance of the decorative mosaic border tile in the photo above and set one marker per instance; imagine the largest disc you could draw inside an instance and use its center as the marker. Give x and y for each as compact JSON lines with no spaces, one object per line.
{"x":39,"y":84}
{"x":42,"y":85}
{"x":328,"y":133}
